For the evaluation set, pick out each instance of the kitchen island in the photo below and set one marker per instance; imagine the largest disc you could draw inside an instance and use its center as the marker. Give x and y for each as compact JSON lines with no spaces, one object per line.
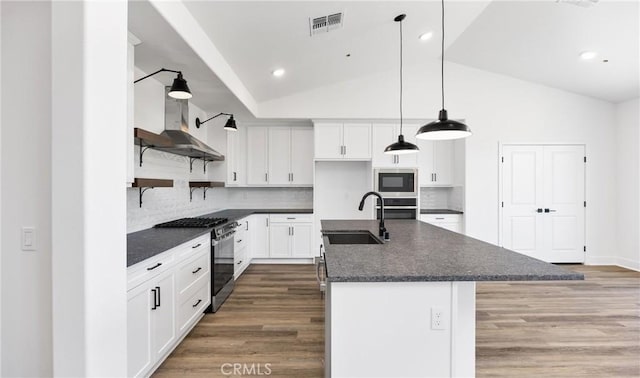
{"x":406,"y":307}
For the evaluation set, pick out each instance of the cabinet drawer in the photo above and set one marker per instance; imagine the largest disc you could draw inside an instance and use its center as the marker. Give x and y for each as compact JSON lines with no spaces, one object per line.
{"x":193,"y":247}
{"x":193,"y":306}
{"x":436,"y":218}
{"x":149,"y":268}
{"x":291,"y":218}
{"x":192,"y":270}
{"x":239,"y":258}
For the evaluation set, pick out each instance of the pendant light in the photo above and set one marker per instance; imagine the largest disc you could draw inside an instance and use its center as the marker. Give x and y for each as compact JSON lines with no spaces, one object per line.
{"x":401,"y":147}
{"x":444,"y":128}
{"x":179,"y":88}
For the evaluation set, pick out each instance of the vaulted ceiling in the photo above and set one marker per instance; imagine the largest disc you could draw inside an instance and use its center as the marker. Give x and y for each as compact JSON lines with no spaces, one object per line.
{"x":537,"y":41}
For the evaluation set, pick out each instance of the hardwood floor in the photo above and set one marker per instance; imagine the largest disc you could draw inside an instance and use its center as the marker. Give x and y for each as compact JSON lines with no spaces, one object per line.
{"x":576,"y":329}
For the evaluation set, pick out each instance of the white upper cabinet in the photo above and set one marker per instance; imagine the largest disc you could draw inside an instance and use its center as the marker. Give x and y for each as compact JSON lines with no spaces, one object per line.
{"x":301,"y":156}
{"x":436,"y":163}
{"x":236,"y":157}
{"x":383,"y":135}
{"x":342,"y":141}
{"x":257,"y":155}
{"x":280,"y":156}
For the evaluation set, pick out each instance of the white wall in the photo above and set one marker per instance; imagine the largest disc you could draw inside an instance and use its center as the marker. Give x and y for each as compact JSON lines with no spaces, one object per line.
{"x":26,"y":188}
{"x":628,"y":169}
{"x":498,"y":109}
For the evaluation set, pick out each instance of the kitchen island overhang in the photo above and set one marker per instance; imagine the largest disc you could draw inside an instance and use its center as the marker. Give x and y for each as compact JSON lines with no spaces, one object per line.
{"x":407,"y":307}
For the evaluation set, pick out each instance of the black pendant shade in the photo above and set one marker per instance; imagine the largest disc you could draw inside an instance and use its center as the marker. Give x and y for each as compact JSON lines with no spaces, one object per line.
{"x":230,"y":125}
{"x":443,"y":129}
{"x":179,"y":88}
{"x":401,"y":147}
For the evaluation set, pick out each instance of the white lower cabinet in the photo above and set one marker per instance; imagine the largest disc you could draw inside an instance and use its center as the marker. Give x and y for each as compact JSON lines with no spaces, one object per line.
{"x":290,"y":235}
{"x":451,"y":222}
{"x":166,"y":296}
{"x":259,"y":233}
{"x":241,"y":255}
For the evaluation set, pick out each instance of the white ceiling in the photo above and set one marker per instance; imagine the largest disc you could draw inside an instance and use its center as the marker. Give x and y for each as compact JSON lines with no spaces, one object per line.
{"x":540,"y":41}
{"x":537,"y":41}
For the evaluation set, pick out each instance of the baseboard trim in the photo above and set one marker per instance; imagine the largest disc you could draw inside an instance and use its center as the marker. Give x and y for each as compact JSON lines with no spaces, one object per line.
{"x":614,"y":260}
{"x":628,"y":264}
{"x":282,"y":261}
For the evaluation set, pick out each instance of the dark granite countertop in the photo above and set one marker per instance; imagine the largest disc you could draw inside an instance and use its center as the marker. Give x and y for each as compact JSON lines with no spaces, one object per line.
{"x":147,"y":243}
{"x":439,"y":211}
{"x":419,"y":251}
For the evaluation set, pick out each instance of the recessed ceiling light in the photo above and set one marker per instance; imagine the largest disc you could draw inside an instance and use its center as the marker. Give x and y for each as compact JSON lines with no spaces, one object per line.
{"x":425,"y":36}
{"x":278,"y":72}
{"x":587,"y":55}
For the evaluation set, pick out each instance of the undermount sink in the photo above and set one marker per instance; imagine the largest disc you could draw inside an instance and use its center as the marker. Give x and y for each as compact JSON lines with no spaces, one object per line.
{"x":352,"y":238}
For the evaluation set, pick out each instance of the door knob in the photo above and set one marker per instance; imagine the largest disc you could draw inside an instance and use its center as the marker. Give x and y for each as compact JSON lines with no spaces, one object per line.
{"x":549,"y":211}
{"x":539,"y":210}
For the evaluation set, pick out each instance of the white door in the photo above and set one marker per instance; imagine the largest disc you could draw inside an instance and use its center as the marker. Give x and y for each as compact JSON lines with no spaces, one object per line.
{"x":522,"y":172}
{"x":139,"y":305}
{"x":382,"y":136}
{"x":164,"y":316}
{"x":543,"y":201}
{"x":279,"y":155}
{"x":408,"y":160}
{"x":302,"y":156}
{"x":280,"y":240}
{"x":301,"y":239}
{"x":564,"y":198}
{"x":328,"y":140}
{"x":357,"y":140}
{"x":259,"y":229}
{"x":257,"y":156}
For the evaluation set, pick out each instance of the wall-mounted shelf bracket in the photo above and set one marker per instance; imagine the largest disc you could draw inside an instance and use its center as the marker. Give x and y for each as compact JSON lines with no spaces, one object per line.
{"x":204,"y":163}
{"x":146,"y":140}
{"x":144,"y":184}
{"x":205,"y":185}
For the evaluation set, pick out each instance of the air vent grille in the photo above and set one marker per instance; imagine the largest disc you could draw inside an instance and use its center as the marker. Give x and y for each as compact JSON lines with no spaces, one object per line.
{"x":324,"y":24}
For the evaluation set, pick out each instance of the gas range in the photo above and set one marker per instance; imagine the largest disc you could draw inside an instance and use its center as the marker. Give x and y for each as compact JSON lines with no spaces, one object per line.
{"x":221,"y":226}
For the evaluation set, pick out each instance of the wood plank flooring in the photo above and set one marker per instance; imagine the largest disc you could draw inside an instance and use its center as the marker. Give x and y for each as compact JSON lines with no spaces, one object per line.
{"x":573,"y":329}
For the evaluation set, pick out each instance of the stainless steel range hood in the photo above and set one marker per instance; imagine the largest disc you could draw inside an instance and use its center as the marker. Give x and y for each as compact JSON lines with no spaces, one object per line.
{"x":176,"y":128}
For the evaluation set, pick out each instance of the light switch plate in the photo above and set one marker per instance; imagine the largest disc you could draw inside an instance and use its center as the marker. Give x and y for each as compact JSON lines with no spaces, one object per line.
{"x":29,"y":239}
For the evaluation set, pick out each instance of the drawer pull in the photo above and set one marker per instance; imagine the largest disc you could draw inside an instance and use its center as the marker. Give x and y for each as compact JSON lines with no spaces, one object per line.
{"x":197,"y":303}
{"x":440,"y":218}
{"x":155,"y":266}
{"x":239,"y":241}
{"x":197,"y":270}
{"x":197,"y":245}
{"x":239,"y":262}
{"x":291,"y":217}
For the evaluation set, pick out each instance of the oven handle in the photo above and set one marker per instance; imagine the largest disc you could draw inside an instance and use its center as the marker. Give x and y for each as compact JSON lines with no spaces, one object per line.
{"x":229,"y":235}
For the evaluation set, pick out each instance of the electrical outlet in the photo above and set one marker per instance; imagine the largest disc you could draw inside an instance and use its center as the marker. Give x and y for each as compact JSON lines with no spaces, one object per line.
{"x":438,"y":320}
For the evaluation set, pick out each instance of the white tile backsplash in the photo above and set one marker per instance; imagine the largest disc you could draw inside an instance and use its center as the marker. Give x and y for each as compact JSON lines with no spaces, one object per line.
{"x":451,"y":198}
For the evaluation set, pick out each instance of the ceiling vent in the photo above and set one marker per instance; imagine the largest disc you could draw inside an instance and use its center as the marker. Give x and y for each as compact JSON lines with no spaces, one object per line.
{"x":580,"y":3}
{"x":324,"y":24}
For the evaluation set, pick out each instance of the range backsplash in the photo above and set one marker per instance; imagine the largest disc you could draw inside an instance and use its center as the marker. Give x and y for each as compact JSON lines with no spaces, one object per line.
{"x":165,"y":204}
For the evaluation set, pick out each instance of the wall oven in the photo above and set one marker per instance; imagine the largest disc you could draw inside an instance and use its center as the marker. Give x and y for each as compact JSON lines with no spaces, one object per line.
{"x":398,"y":208}
{"x":396,"y":182}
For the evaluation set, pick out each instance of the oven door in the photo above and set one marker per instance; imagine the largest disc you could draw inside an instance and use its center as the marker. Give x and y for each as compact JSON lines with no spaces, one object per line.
{"x":398,"y":213}
{"x":222,"y":260}
{"x":396,"y":183}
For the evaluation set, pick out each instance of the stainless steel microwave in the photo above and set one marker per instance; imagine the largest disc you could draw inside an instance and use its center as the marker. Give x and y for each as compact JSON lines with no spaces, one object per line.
{"x":396,"y":182}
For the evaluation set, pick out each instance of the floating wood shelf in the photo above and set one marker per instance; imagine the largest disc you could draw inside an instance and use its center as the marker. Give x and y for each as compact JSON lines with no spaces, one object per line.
{"x":193,"y":185}
{"x":144,"y":184}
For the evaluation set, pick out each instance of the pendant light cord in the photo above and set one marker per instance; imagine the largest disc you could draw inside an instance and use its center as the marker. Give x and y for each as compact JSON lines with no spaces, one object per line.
{"x":442,"y":57}
{"x":400,"y":77}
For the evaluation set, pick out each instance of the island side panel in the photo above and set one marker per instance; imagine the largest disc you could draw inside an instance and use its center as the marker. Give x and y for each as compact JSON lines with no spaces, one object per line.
{"x":463,"y":335}
{"x":384,"y":329}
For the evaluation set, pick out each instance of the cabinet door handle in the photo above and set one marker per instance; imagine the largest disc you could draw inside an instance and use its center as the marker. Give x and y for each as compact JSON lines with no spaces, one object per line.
{"x":239,"y":262}
{"x":196,"y":246}
{"x":435,"y":175}
{"x":155,"y":266}
{"x":266,"y":177}
{"x":154,"y":300}
{"x":291,"y":177}
{"x":293,"y":231}
{"x":197,"y":270}
{"x":158,"y":290}
{"x":239,"y":241}
{"x":197,"y":303}
{"x":234,"y":176}
{"x":267,"y":219}
{"x":345,"y":150}
{"x":247,"y":225}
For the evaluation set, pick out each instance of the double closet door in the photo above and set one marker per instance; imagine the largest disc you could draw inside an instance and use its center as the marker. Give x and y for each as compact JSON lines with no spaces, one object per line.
{"x":543,"y":201}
